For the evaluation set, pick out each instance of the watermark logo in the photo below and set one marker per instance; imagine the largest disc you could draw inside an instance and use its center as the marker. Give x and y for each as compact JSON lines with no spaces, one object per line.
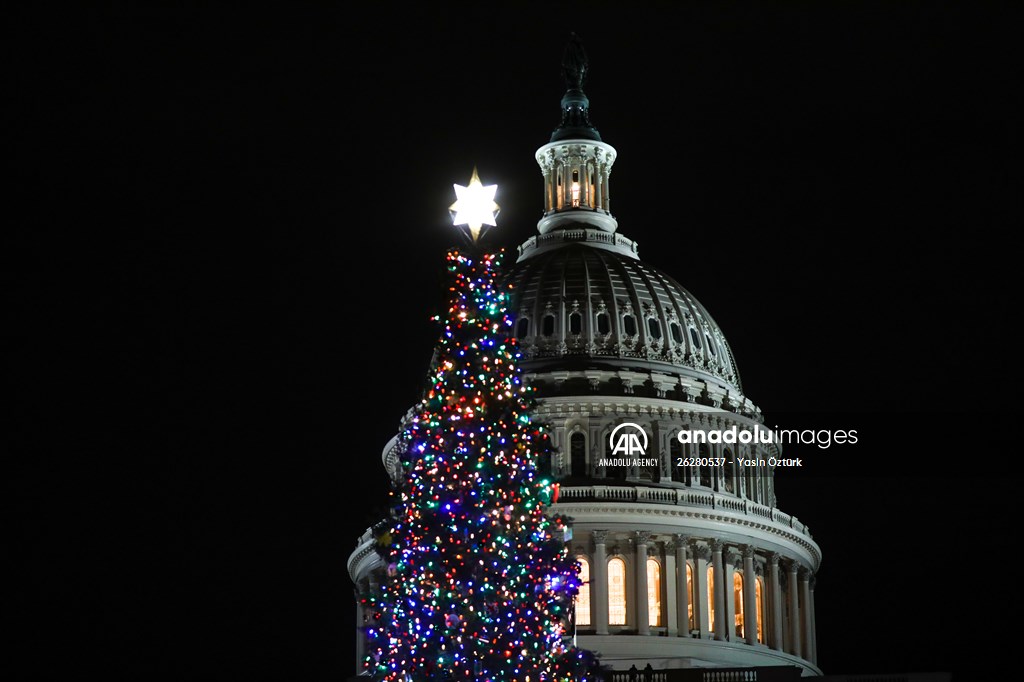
{"x":628,"y":442}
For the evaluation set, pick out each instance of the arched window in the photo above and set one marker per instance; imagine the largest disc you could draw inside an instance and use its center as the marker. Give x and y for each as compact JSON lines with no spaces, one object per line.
{"x":578,"y":454}
{"x":654,"y":592}
{"x":703,"y":453}
{"x":575,"y":323}
{"x":616,"y":592}
{"x":737,"y":597}
{"x":653,"y":328}
{"x":583,"y":598}
{"x":618,"y":472}
{"x":689,"y":601}
{"x":549,"y":325}
{"x":522,"y":327}
{"x":651,"y":472}
{"x":675,"y":453}
{"x":603,"y":325}
{"x":759,"y":594}
{"x":730,"y":465}
{"x":677,"y":333}
{"x":711,"y":597}
{"x":629,"y":325}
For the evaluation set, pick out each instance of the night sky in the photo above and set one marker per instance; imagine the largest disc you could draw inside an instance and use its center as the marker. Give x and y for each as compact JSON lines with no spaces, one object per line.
{"x":236,"y":225}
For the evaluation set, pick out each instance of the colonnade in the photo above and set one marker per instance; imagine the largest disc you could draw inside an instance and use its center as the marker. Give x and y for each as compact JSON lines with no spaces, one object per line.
{"x":705,"y":588}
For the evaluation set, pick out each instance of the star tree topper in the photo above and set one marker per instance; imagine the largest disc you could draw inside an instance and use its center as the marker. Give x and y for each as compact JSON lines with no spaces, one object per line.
{"x":474,"y":206}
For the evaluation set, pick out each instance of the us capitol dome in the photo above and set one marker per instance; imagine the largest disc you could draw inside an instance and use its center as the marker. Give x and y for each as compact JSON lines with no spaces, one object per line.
{"x":686,"y":558}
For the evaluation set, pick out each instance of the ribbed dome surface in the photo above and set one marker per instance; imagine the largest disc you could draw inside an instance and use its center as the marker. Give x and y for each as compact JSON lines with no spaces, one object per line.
{"x":583,"y":306}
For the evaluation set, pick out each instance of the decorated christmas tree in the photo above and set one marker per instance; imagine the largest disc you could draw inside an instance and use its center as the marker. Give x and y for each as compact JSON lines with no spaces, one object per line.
{"x":479,"y":583}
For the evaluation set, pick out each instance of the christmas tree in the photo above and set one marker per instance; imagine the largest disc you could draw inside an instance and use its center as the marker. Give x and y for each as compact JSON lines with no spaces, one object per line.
{"x":479,"y":582}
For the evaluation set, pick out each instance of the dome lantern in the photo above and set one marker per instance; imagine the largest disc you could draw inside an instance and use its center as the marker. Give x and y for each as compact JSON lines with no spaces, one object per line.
{"x":576,"y":163}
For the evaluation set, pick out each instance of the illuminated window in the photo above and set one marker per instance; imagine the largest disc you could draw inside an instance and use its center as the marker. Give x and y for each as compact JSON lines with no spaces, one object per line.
{"x":575,"y":189}
{"x":616,"y":592}
{"x":522,"y":327}
{"x":689,"y":592}
{"x":737,"y":597}
{"x":583,"y":598}
{"x":711,"y":596}
{"x":759,"y":594}
{"x":654,"y":592}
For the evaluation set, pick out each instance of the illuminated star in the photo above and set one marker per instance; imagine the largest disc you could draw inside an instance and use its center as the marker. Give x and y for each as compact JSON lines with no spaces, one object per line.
{"x":474,"y":205}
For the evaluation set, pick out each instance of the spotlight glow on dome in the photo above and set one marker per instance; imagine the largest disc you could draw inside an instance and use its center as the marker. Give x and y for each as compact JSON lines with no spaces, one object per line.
{"x":474,"y":206}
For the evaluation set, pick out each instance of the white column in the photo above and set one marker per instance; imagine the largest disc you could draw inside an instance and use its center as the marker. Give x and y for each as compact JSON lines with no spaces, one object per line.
{"x":669,"y":599}
{"x":731,"y":561}
{"x":721,"y":626}
{"x":750,"y":597}
{"x":805,"y":611}
{"x":606,"y":195}
{"x":701,"y":616}
{"x":643,"y":616}
{"x":775,"y":628}
{"x":739,"y":484}
{"x":682,"y":594}
{"x":794,"y":610}
{"x":599,"y":583}
{"x":814,"y":627}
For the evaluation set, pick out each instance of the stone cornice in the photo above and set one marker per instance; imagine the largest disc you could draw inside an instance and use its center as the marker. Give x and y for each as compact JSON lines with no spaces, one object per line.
{"x":356,"y":558}
{"x":673,"y":514}
{"x":632,"y":406}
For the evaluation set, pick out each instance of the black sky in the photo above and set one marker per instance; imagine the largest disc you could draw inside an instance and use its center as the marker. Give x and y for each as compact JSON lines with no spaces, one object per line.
{"x":236,"y":220}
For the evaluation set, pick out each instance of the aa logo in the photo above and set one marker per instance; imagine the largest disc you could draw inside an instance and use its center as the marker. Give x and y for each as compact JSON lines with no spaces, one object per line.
{"x":628,"y":439}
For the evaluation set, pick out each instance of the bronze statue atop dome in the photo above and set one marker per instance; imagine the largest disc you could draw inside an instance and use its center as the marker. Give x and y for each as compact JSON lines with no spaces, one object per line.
{"x":574,"y":63}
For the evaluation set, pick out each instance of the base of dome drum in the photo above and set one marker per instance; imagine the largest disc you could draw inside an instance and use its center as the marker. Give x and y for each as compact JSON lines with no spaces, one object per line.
{"x":668,"y":654}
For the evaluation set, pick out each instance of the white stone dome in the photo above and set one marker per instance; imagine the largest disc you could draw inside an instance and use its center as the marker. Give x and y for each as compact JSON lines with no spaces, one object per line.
{"x":583,"y":300}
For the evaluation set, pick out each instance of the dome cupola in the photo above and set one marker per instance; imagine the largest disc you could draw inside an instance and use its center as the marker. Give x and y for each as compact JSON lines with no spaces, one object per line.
{"x":575,"y":163}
